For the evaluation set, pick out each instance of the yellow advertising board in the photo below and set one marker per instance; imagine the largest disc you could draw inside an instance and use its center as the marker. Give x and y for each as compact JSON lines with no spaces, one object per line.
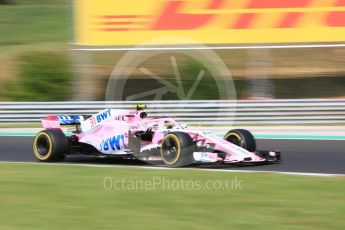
{"x":213,"y":22}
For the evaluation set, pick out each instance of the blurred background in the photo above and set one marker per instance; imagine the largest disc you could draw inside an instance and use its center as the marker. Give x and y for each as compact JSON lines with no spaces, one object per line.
{"x":57,"y":57}
{"x":38,"y":63}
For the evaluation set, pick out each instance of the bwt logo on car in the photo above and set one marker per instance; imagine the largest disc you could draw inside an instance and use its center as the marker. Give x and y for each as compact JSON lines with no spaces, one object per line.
{"x":103,"y":115}
{"x":113,"y":143}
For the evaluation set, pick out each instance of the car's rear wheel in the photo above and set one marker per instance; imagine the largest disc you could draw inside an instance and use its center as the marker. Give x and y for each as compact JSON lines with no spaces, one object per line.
{"x":242,"y":138}
{"x":50,"y":145}
{"x":177,"y":149}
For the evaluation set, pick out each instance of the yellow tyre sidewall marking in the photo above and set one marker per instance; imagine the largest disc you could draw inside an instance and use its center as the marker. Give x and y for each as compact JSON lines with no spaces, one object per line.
{"x":232,"y":134}
{"x":37,"y":154}
{"x":178,"y":149}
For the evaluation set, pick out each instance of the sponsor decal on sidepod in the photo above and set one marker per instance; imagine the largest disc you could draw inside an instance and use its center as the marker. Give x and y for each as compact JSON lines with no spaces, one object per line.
{"x":113,"y":143}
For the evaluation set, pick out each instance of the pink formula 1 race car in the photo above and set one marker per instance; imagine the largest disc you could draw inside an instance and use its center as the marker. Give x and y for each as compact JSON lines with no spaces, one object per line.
{"x":130,"y":133}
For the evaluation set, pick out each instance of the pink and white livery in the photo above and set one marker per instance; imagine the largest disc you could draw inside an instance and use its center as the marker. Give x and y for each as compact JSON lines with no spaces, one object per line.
{"x":113,"y":132}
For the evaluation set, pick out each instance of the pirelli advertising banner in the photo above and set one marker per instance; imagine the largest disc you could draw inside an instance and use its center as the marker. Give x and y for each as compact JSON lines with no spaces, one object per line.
{"x":212,"y":22}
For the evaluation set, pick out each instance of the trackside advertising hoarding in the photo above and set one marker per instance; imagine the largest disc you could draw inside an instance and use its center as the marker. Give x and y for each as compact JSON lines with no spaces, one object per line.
{"x":212,"y":22}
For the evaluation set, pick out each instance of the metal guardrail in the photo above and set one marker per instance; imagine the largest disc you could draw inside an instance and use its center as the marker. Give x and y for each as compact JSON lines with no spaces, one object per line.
{"x":308,"y":111}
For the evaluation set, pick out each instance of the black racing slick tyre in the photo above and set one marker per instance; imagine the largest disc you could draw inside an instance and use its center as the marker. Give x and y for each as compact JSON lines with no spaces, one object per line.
{"x":177,"y":149}
{"x":242,"y":138}
{"x":50,"y":145}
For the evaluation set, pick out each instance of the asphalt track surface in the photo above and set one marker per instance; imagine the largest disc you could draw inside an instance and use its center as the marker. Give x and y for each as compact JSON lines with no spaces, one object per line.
{"x":307,"y":156}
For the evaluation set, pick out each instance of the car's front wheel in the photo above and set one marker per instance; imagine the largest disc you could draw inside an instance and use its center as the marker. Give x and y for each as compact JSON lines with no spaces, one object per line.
{"x":50,"y":145}
{"x":177,"y":149}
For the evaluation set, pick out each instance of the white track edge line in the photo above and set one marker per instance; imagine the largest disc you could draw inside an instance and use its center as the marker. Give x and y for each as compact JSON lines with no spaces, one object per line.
{"x":196,"y":169}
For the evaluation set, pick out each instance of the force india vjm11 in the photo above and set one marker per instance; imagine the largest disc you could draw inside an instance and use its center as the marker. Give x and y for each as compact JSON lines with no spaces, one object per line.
{"x":114,"y":132}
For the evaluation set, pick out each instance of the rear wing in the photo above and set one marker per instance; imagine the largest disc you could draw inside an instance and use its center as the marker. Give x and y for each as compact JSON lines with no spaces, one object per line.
{"x":72,"y":120}
{"x":56,"y":121}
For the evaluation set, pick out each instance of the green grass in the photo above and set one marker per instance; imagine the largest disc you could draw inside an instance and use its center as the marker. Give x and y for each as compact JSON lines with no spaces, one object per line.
{"x":32,"y":24}
{"x":71,"y":197}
